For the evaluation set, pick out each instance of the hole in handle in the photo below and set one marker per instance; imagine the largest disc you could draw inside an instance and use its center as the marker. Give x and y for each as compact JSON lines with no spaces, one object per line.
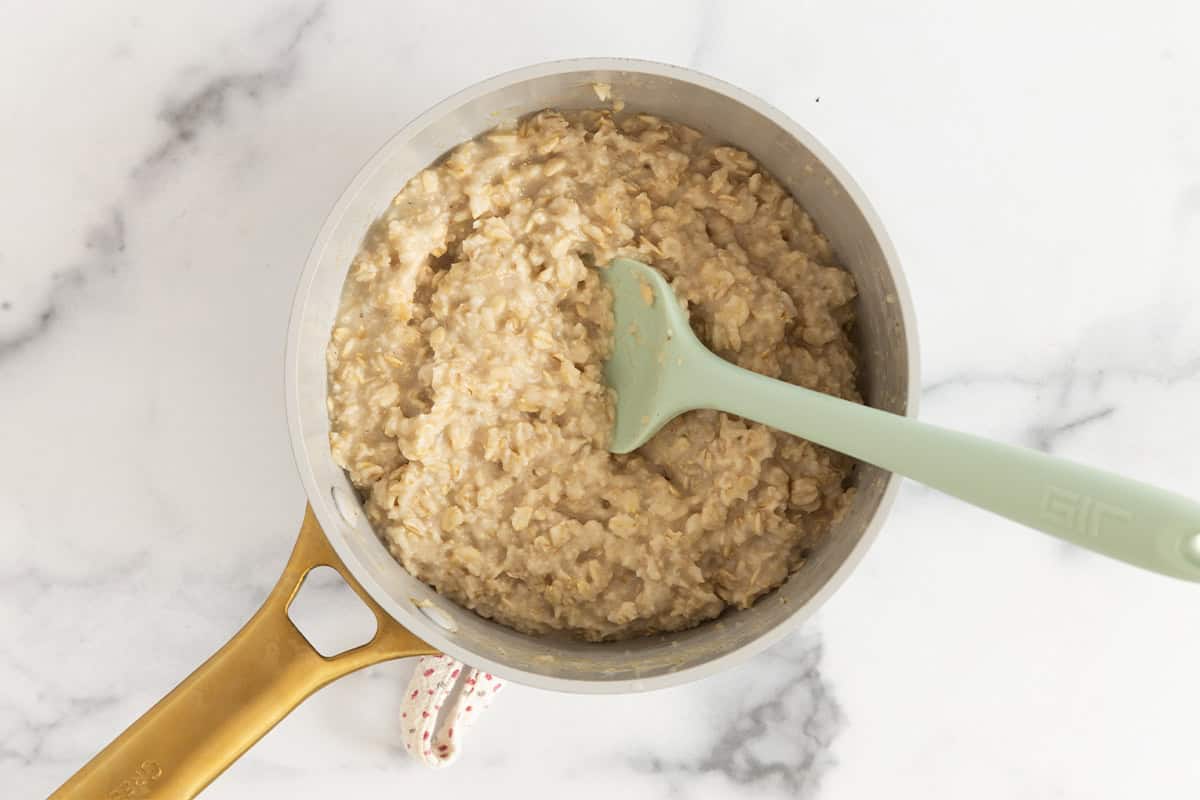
{"x":329,"y":614}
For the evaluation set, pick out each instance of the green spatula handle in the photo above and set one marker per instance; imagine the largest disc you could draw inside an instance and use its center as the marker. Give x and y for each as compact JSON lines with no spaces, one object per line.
{"x":1131,"y":521}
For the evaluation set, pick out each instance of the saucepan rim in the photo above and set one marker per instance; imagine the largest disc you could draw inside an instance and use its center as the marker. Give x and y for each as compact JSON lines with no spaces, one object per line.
{"x":325,"y":506}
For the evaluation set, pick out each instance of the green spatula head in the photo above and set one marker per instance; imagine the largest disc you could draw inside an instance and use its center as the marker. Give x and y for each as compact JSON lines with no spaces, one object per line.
{"x":653,"y":345}
{"x":659,"y":369}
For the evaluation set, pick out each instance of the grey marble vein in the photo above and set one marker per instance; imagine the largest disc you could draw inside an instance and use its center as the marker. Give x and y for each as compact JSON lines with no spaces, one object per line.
{"x":25,"y":741}
{"x":41,"y":323}
{"x":801,"y":713}
{"x":207,"y":107}
{"x":1067,"y":376}
{"x":105,"y":243}
{"x":1066,"y":384}
{"x":107,"y":240}
{"x":1045,"y":437}
{"x":38,"y":581}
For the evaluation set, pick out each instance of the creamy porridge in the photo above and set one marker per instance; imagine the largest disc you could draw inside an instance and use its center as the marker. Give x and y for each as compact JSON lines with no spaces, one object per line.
{"x":465,"y":391}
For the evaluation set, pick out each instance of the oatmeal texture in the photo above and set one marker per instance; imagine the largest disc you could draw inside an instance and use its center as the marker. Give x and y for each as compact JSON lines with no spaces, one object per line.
{"x":467,"y":403}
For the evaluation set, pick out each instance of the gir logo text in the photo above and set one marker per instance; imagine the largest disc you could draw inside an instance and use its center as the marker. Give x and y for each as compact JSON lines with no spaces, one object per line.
{"x":1080,"y":513}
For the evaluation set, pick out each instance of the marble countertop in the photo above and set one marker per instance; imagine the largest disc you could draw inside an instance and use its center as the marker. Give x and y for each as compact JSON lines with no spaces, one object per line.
{"x":166,"y":168}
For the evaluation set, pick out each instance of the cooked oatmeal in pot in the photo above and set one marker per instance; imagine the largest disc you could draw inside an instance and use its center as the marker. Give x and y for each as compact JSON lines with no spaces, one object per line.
{"x":466,"y":398}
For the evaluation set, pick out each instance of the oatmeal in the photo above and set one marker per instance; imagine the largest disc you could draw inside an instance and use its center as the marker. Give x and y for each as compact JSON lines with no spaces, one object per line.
{"x":467,"y":403}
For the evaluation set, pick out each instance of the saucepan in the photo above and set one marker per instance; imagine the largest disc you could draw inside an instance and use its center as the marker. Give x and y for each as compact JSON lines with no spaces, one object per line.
{"x":268,"y":668}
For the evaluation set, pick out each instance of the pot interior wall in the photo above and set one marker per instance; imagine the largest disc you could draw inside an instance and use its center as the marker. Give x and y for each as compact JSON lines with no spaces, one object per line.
{"x":678,"y":95}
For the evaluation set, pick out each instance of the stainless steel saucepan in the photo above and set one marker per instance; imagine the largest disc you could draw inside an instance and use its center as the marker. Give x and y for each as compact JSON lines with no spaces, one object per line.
{"x":268,"y":668}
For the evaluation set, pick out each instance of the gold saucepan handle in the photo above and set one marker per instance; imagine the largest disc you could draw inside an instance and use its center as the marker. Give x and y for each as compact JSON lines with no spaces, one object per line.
{"x":190,"y":736}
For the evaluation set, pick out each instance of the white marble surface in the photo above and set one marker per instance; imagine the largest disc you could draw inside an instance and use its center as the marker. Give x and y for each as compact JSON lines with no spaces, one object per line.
{"x":166,"y":166}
